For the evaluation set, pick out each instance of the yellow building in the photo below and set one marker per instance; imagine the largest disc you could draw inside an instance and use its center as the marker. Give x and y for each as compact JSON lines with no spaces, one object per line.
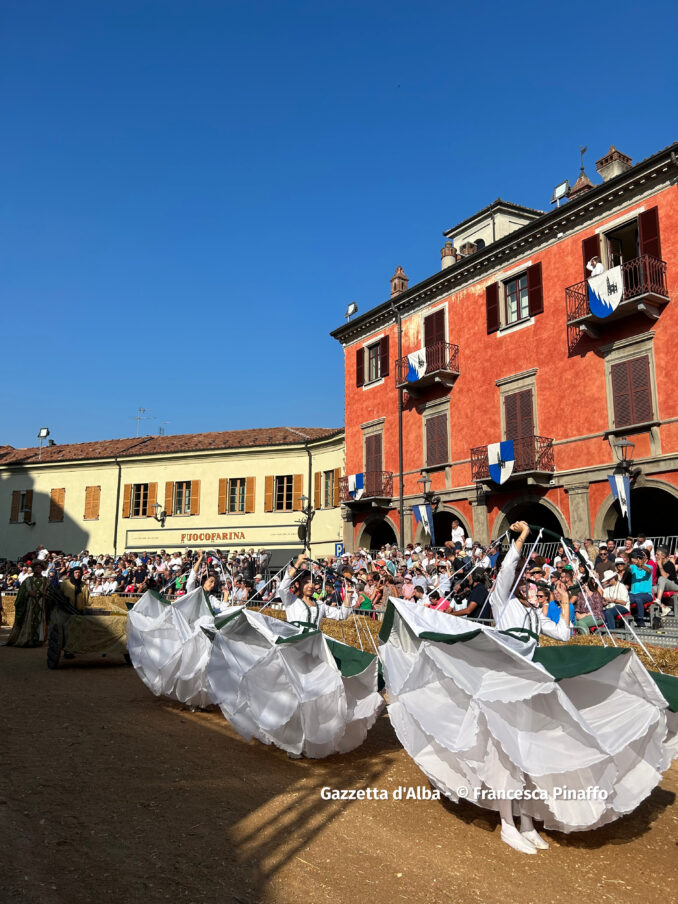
{"x":240,"y":488}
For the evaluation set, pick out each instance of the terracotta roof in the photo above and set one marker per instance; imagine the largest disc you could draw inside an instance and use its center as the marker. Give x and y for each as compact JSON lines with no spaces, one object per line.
{"x":166,"y":445}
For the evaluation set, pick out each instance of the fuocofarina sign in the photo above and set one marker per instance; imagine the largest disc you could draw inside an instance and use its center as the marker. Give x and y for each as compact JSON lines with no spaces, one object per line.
{"x":170,"y":538}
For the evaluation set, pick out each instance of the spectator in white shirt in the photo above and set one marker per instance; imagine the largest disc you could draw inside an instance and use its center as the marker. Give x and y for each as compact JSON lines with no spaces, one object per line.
{"x":458,"y":532}
{"x":595,"y":266}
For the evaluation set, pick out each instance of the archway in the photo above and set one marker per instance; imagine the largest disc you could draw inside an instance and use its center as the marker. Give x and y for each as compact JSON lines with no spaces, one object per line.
{"x":654,"y":511}
{"x":536,"y":511}
{"x":442,"y":525}
{"x":377,"y":532}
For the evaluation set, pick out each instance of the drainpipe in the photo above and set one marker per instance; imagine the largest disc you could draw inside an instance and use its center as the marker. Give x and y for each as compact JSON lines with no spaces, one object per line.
{"x":398,"y":319}
{"x":117,"y":509}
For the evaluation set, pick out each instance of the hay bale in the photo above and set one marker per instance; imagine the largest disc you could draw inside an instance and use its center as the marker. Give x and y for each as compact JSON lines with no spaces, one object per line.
{"x":8,"y":603}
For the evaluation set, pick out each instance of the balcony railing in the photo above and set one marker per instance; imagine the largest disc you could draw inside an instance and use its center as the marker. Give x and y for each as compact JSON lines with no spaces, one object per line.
{"x":441,"y":358}
{"x":643,"y":276}
{"x":376,"y":484}
{"x":532,"y":453}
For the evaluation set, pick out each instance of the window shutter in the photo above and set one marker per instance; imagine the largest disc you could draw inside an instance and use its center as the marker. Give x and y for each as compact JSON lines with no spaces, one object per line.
{"x":360,"y":367}
{"x":335,"y":495}
{"x":297,"y":490}
{"x":92,"y":499}
{"x":590,"y":247}
{"x":431,"y":442}
{"x":535,"y":292}
{"x":648,"y":233}
{"x":250,"y":484}
{"x":511,"y":415}
{"x":195,"y":497}
{"x":641,"y":389}
{"x":221,"y":500}
{"x":268,"y":493}
{"x":434,"y":328}
{"x":525,"y":413}
{"x":57,"y":498}
{"x":317,"y":490}
{"x":28,"y":511}
{"x":436,"y":440}
{"x":127,"y":500}
{"x":492,"y":307}
{"x":443,"y":452}
{"x":169,"y":496}
{"x":621,"y":394}
{"x":152,"y":499}
{"x":16,"y":505}
{"x":383,"y":357}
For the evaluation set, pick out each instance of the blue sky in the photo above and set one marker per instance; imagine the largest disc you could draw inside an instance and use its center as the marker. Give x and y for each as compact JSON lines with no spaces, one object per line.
{"x":192,"y":192}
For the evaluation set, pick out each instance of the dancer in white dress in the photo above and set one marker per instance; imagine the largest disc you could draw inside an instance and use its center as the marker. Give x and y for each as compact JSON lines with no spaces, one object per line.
{"x":302,"y":608}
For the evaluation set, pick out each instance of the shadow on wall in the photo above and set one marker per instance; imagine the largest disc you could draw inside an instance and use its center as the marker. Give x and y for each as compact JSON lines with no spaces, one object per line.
{"x":25,"y":518}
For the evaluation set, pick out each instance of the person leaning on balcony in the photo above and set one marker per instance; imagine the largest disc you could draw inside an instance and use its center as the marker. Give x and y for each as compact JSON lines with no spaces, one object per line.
{"x":595,"y":266}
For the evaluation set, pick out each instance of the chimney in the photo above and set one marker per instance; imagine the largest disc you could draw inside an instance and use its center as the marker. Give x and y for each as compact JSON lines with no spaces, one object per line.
{"x":399,"y":282}
{"x":581,"y":186}
{"x":448,"y":256}
{"x":612,"y":164}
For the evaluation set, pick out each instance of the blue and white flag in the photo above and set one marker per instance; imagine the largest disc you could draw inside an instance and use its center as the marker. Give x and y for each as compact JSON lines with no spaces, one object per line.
{"x":424,"y":514}
{"x":416,"y":365}
{"x":501,"y":458}
{"x":356,"y":485}
{"x":621,"y":490}
{"x":605,"y":292}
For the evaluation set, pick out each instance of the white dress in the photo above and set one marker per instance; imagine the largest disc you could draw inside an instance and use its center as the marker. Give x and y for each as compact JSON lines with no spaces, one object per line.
{"x":486,"y":712}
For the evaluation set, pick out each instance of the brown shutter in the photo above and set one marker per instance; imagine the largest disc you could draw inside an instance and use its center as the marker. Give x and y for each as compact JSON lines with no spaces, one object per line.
{"x":360,"y":367}
{"x":621,"y":394}
{"x":221,"y":501}
{"x":648,"y":233}
{"x":436,"y":440}
{"x":317,"y":490}
{"x":28,"y":511}
{"x":492,"y":307}
{"x":16,"y":505}
{"x":92,"y":499}
{"x":169,"y":496}
{"x":297,"y":490}
{"x":535,"y":292}
{"x":431,"y":442}
{"x":511,"y":415}
{"x":641,"y":389}
{"x":152,"y":499}
{"x":373,"y":459}
{"x":250,"y":483}
{"x":127,"y":500}
{"x":434,"y":328}
{"x":268,"y":493}
{"x":335,"y":495}
{"x":383,"y":357}
{"x":195,"y":497}
{"x":590,"y":247}
{"x":57,"y":498}
{"x":519,"y":414}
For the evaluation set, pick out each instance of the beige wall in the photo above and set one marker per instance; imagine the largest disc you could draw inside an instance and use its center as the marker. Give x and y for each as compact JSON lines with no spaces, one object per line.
{"x":259,"y":528}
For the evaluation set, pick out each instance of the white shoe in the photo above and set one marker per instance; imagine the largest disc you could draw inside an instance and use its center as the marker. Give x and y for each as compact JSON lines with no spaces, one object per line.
{"x":512,"y":837}
{"x":535,"y":839}
{"x":666,"y":610}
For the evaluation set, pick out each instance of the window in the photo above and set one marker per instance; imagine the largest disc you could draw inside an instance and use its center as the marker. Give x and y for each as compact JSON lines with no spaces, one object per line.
{"x":236,"y":494}
{"x":22,"y":507}
{"x":437,"y":452}
{"x":372,"y":362}
{"x":57,"y":499}
{"x":139,"y":500}
{"x":434,"y":328}
{"x":632,"y":391}
{"x":330,"y":484}
{"x":515,"y":299}
{"x":283,"y":500}
{"x":523,"y":297}
{"x":182,"y":498}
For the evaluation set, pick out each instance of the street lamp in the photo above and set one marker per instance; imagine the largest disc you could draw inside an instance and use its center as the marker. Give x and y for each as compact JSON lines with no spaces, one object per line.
{"x":623,"y":449}
{"x":430,"y":498}
{"x":159,"y":514}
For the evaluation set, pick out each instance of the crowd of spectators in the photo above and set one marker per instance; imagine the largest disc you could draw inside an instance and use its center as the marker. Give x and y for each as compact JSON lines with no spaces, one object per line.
{"x":602,"y":580}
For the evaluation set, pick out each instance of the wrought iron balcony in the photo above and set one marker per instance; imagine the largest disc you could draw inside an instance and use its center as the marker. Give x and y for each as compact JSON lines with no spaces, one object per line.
{"x":442,"y":366}
{"x":533,"y":455}
{"x":644,"y":291}
{"x":376,"y":485}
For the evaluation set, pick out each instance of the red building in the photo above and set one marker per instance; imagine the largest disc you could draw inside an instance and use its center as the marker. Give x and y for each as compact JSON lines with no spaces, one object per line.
{"x":509,"y":348}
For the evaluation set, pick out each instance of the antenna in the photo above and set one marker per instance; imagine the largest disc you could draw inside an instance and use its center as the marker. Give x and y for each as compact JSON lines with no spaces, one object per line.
{"x":141,"y":415}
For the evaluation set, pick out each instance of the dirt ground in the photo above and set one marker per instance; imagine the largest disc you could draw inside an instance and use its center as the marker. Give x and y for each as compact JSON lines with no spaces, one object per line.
{"x":108,"y":793}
